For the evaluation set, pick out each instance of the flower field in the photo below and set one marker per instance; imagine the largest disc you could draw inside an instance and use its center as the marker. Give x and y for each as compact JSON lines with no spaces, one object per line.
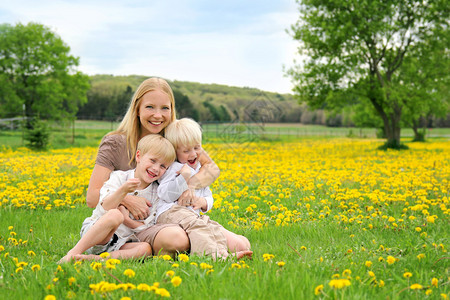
{"x":330,"y":218}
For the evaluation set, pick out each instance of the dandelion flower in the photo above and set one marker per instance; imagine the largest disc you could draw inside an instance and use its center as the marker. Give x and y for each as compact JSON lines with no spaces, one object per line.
{"x":339,"y":283}
{"x":31,"y":253}
{"x":105,"y":255}
{"x":162,"y":292}
{"x":416,"y":286}
{"x":368,"y":263}
{"x":183,"y":257}
{"x":390,"y":260}
{"x":71,"y":280}
{"x":420,"y":256}
{"x":281,"y":263}
{"x":318,"y":289}
{"x":130,"y":273}
{"x":176,"y":281}
{"x":50,"y":297}
{"x":170,"y":273}
{"x":434,"y":282}
{"x":407,"y":274}
{"x":35,"y":268}
{"x":167,"y":257}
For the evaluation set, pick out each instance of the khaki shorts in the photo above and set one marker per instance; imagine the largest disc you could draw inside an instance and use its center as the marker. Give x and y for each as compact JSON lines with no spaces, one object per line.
{"x":149,"y":234}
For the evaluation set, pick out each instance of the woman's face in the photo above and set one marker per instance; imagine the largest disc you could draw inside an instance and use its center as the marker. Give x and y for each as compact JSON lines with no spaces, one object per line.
{"x":154,"y":112}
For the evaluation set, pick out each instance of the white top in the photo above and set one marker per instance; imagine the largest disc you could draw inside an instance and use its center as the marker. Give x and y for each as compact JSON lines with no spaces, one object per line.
{"x":116,"y":180}
{"x":172,"y":185}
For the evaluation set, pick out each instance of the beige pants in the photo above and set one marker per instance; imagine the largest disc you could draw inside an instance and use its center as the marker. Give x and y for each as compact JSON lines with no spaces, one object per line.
{"x":205,"y":235}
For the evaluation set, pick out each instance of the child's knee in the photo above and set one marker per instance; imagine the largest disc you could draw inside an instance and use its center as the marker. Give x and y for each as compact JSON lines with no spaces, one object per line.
{"x":115,"y":216}
{"x":145,"y":249}
{"x":177,"y":239}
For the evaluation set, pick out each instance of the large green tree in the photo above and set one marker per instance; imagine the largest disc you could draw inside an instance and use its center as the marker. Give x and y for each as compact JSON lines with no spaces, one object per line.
{"x":38,"y":74}
{"x":354,"y":47}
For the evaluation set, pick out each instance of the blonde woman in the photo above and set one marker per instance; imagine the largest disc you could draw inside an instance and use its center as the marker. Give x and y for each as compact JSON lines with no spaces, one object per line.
{"x":151,"y":109}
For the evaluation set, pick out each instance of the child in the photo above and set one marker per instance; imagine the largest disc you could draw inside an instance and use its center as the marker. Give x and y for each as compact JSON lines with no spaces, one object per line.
{"x":110,"y":228}
{"x":206,"y":236}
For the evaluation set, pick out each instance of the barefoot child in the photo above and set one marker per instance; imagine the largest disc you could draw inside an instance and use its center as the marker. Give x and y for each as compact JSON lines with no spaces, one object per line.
{"x":206,"y":236}
{"x":110,"y":229}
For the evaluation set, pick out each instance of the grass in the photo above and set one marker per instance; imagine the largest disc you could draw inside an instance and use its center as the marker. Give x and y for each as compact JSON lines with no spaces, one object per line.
{"x":86,"y":133}
{"x":315,"y":210}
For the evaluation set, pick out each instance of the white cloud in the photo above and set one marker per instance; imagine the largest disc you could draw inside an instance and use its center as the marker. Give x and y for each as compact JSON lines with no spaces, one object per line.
{"x":172,"y":39}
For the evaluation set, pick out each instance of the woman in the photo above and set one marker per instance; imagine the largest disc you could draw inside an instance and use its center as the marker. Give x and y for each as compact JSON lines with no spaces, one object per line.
{"x":151,"y":109}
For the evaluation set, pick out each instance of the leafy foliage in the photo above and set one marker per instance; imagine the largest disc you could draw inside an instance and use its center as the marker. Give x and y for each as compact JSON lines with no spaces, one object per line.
{"x":38,"y":74}
{"x":358,"y":48}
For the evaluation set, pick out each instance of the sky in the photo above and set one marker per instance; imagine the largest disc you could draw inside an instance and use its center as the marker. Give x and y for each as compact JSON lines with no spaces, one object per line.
{"x":240,"y":43}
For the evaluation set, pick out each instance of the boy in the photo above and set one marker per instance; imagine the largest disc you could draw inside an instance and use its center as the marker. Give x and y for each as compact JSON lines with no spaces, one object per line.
{"x":110,"y":229}
{"x":206,"y":236}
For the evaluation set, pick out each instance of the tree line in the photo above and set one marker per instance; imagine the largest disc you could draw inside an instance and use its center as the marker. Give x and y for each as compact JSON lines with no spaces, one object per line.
{"x":374,"y":63}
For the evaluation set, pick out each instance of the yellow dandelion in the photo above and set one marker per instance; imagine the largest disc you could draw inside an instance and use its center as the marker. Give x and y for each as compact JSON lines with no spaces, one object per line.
{"x":281,"y":263}
{"x":19,"y":269}
{"x":130,"y":273}
{"x":175,"y":265}
{"x":71,"y":280}
{"x":407,"y":274}
{"x":35,"y":268}
{"x":176,"y":281}
{"x":194,"y":264}
{"x":444,"y":296}
{"x":183,"y":257}
{"x":371,"y":274}
{"x":162,"y":292}
{"x":170,"y":273}
{"x":381,"y":283}
{"x":167,"y":257}
{"x":10,"y":227}
{"x":318,"y":289}
{"x":428,"y":292}
{"x":368,"y":263}
{"x":302,"y":248}
{"x":390,"y":260}
{"x":416,"y":286}
{"x":420,"y":256}
{"x":50,"y":297}
{"x":434,"y":282}
{"x":339,"y":283}
{"x":418,"y":229}
{"x":31,"y":253}
{"x":105,"y":255}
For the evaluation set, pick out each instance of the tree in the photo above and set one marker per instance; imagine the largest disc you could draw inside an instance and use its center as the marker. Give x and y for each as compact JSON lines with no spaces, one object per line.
{"x":359,"y":47}
{"x":184,"y":106}
{"x":38,"y":73}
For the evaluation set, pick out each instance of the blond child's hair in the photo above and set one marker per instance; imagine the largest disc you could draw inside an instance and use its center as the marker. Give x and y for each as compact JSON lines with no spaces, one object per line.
{"x":131,"y":125}
{"x":158,"y":146}
{"x":184,"y":132}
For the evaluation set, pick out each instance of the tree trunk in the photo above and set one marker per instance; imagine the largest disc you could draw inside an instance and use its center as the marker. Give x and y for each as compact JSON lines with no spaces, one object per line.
{"x":418,"y":136}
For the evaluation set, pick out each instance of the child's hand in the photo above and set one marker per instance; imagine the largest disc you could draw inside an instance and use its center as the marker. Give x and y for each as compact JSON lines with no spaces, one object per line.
{"x":199,"y":203}
{"x":125,"y":212}
{"x":185,"y":172}
{"x":131,"y":185}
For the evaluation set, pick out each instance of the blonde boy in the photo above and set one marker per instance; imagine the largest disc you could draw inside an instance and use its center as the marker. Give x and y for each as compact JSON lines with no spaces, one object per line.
{"x":110,"y":228}
{"x":206,"y":236}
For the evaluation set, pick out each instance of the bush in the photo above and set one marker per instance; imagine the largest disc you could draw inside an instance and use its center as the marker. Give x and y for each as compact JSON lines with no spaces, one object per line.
{"x":38,"y":136}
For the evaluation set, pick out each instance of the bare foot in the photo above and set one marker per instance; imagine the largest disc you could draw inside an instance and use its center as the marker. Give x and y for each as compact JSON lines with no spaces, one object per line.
{"x":87,"y":257}
{"x":67,"y":258}
{"x":241,"y":254}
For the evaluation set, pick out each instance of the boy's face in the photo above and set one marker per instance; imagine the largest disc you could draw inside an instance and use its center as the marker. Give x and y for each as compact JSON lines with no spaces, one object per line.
{"x":149,"y":167}
{"x":189,"y":155}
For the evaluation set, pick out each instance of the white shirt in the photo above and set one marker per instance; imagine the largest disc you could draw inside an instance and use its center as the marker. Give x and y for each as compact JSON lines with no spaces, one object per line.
{"x":116,"y":180}
{"x":172,"y":185}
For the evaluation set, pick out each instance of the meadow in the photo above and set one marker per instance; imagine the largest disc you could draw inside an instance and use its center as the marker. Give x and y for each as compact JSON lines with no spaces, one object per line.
{"x":327,"y":218}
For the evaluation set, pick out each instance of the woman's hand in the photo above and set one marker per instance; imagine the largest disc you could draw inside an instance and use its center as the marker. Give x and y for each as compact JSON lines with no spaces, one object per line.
{"x":186,"y":198}
{"x":139,"y":207}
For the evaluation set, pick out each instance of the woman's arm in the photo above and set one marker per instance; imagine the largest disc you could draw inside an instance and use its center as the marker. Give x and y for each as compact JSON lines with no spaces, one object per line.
{"x":208,"y":173}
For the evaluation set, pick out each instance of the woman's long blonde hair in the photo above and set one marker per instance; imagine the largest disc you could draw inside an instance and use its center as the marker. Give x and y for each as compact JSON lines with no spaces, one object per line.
{"x":131,"y":125}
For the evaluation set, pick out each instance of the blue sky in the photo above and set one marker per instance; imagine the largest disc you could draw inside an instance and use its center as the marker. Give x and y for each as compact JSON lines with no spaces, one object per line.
{"x":238,"y":43}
